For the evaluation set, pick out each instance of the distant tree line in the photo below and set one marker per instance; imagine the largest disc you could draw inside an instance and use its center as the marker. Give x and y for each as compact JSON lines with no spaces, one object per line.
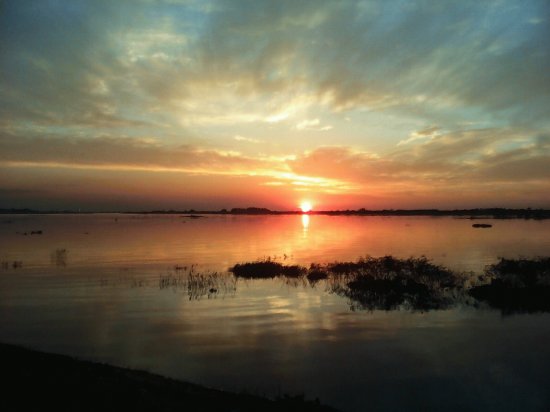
{"x":492,"y":213}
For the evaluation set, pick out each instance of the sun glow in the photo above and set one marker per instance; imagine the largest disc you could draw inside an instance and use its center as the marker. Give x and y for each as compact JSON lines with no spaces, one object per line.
{"x":306,"y":207}
{"x":305,"y":223}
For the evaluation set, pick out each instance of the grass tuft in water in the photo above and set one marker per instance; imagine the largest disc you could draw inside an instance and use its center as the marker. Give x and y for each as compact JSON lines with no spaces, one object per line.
{"x":198,"y":284}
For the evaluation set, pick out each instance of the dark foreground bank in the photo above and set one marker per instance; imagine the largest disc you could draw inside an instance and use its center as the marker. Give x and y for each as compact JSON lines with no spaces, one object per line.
{"x":42,"y":381}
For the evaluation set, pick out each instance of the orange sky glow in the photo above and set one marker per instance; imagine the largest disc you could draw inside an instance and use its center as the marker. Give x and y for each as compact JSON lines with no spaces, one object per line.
{"x":211,"y":105}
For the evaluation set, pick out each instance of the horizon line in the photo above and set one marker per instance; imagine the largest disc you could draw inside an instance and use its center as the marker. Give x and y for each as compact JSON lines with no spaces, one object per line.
{"x":252,"y":210}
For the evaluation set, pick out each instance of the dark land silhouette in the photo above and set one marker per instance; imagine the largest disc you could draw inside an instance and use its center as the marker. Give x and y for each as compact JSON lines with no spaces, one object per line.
{"x":41,"y":381}
{"x":478,"y":213}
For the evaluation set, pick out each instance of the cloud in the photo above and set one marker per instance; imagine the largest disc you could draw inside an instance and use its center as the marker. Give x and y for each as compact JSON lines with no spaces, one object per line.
{"x":151,"y":156}
{"x":454,"y":167}
{"x":240,"y":138}
{"x":461,"y":160}
{"x":111,"y":64}
{"x":382,"y":56}
{"x":461,"y":88}
{"x":313,"y":124}
{"x":427,"y":133}
{"x":123,"y":154}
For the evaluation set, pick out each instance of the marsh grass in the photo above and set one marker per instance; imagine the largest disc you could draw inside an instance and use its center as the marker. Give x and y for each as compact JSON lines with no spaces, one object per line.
{"x":125,"y":279}
{"x":374,"y":283}
{"x":198,"y":285}
{"x":186,"y":279}
{"x":14,"y":264}
{"x":316,"y":273}
{"x":521,"y":273}
{"x":370,"y":283}
{"x":389,"y":283}
{"x":516,"y":285}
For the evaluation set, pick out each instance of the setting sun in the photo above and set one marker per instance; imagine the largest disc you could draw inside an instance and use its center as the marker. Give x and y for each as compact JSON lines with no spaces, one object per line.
{"x":306,"y":207}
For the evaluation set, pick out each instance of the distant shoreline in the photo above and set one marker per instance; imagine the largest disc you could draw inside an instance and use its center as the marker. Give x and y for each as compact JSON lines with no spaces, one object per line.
{"x":481,"y":213}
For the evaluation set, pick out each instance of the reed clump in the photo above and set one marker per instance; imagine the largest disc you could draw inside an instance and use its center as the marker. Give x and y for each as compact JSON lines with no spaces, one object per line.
{"x":198,"y":284}
{"x":389,"y":283}
{"x":370,"y":283}
{"x":16,"y":264}
{"x":316,"y":273}
{"x":516,"y":285}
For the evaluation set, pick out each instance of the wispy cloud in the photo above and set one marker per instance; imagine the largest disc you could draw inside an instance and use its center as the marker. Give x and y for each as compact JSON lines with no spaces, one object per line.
{"x":427,"y":133}
{"x":149,"y":155}
{"x":240,"y":138}
{"x":312,"y":124}
{"x":124,"y":154}
{"x":97,"y":66}
{"x":454,"y":94}
{"x":454,"y":160}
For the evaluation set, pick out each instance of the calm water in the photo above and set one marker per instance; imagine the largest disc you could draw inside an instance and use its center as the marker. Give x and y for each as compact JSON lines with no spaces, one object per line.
{"x":90,"y":286}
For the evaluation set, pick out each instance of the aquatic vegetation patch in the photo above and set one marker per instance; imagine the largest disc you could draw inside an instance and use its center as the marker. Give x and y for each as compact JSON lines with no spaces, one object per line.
{"x":392,"y":294}
{"x":420,"y":270}
{"x":316,"y":273}
{"x":384,"y":283}
{"x":267,"y":269}
{"x":516,"y":285}
{"x":198,"y":284}
{"x":381,"y":283}
{"x":16,"y":264}
{"x":388,"y":283}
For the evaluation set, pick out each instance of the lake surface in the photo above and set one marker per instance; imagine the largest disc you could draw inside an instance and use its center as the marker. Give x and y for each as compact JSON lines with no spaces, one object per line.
{"x":113,"y":288}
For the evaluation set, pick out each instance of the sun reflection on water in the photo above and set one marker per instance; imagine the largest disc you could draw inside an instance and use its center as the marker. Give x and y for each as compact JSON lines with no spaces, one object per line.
{"x":305,"y":223}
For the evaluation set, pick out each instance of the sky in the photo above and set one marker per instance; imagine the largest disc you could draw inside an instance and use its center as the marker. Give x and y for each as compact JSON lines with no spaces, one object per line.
{"x":188,"y":104}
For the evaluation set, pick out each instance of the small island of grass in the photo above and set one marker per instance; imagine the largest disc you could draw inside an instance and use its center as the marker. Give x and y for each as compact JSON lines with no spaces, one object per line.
{"x":417,"y":284}
{"x":517,"y":285}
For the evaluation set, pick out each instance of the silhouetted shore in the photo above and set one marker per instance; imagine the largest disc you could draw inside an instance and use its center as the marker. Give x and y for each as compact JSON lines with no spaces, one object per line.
{"x":478,"y":213}
{"x":41,"y":381}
